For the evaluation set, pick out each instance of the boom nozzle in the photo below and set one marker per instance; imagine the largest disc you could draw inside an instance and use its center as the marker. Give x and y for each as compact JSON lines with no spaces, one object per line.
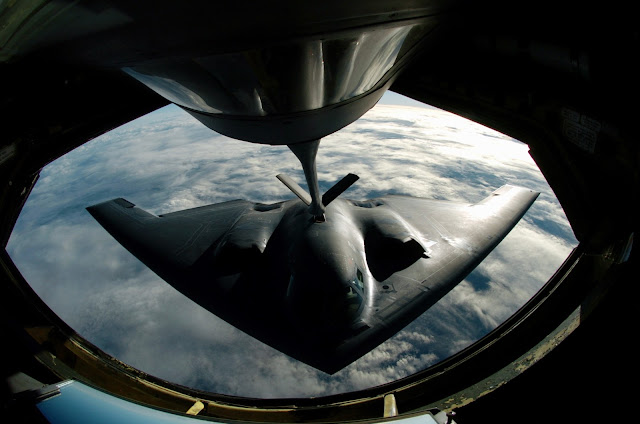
{"x":306,"y":154}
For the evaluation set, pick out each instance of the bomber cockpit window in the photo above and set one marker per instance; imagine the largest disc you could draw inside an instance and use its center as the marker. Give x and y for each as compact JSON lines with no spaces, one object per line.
{"x":359,"y":280}
{"x":353,"y":301}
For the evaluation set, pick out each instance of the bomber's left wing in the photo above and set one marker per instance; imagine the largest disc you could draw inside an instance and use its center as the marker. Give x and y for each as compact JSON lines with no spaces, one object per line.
{"x":420,"y":249}
{"x":458,"y":237}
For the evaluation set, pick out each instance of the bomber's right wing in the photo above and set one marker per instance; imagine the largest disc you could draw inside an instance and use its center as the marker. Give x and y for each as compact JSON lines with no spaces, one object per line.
{"x":170,"y":242}
{"x":215,"y":255}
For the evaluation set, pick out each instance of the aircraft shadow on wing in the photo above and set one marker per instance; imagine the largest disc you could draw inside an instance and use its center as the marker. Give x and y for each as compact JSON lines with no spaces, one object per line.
{"x":327,"y":287}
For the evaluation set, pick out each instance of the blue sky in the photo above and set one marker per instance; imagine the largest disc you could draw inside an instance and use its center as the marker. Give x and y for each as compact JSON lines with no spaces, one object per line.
{"x":392,"y":98}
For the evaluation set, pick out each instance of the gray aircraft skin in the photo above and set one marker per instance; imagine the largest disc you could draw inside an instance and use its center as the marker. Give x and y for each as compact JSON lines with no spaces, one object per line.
{"x":324,"y":281}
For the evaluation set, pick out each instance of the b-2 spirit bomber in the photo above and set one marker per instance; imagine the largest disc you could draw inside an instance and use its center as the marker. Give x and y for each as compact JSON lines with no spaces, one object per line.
{"x":320,"y":278}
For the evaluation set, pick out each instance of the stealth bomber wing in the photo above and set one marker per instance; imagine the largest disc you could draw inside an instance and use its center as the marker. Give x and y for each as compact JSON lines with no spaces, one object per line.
{"x":327,"y":287}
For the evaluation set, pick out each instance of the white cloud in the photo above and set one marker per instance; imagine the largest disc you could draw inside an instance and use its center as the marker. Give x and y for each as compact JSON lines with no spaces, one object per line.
{"x":167,"y":161}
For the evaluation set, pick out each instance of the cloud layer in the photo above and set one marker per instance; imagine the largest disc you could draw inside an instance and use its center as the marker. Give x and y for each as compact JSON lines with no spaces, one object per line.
{"x":166,"y":161}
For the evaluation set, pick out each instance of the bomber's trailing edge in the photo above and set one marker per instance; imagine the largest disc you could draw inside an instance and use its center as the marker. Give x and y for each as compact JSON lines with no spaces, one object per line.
{"x":322,"y":287}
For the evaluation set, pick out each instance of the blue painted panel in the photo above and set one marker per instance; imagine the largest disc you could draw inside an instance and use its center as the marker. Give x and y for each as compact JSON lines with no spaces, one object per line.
{"x":78,"y":403}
